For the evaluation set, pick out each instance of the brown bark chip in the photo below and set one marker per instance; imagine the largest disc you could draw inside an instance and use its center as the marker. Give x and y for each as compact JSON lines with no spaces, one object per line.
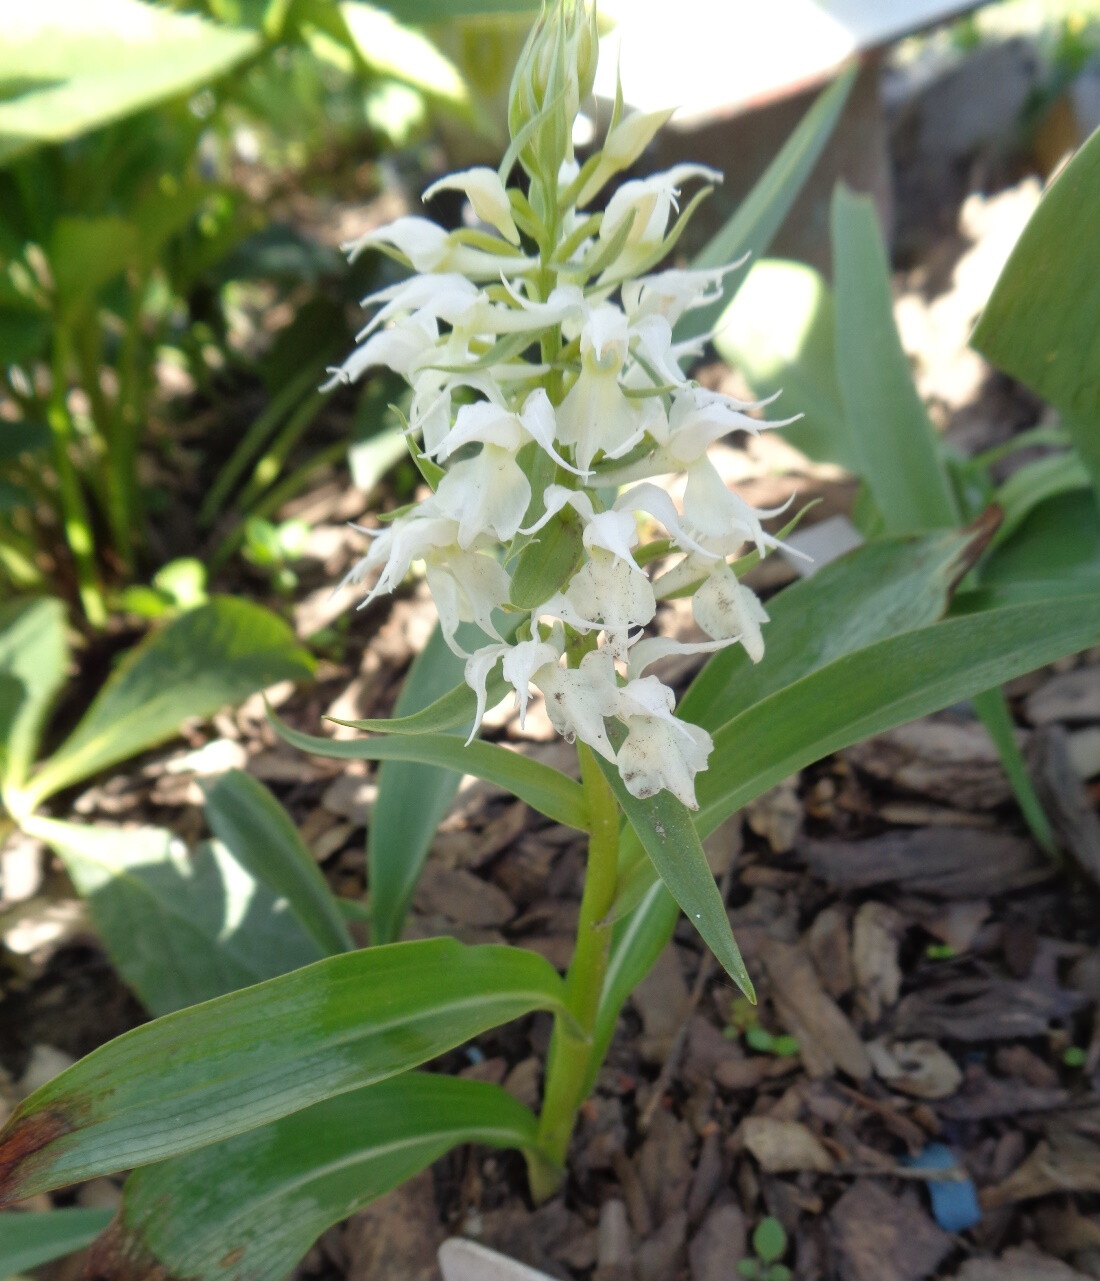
{"x":879,"y":1237}
{"x":827,"y":1039}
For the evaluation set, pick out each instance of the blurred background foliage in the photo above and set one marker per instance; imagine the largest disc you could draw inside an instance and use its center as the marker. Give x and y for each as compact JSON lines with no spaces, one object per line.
{"x":166,"y":309}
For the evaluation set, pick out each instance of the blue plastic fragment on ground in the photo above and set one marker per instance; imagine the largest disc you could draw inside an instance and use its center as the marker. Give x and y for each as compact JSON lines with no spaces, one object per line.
{"x":954,"y":1201}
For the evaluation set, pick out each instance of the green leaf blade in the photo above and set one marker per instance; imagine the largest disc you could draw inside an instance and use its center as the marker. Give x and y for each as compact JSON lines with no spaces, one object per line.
{"x":295,"y":1178}
{"x":252,"y":824}
{"x":29,"y":1240}
{"x":181,"y":927}
{"x":232,"y":1065}
{"x":544,"y":789}
{"x":34,"y":654}
{"x":202,"y":661}
{"x":894,"y":439}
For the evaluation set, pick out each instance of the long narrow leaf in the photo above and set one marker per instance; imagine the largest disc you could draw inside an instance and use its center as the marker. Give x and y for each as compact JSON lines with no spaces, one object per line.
{"x":252,"y":824}
{"x":28,"y":1240}
{"x":1040,"y":325}
{"x":33,"y":654}
{"x":761,"y":213}
{"x":894,"y":439}
{"x":209,"y":657}
{"x":234,"y":1064}
{"x":664,"y":826}
{"x":887,"y":684}
{"x":264,"y":1197}
{"x":413,"y":796}
{"x":180,"y":926}
{"x":544,"y":789}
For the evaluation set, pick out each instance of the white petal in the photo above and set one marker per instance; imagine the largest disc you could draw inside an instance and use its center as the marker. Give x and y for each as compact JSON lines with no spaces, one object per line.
{"x":578,"y":699}
{"x":660,"y":754}
{"x":476,"y":674}
{"x":486,"y":494}
{"x":540,"y":423}
{"x":486,"y":193}
{"x":483,"y":422}
{"x":651,"y":499}
{"x":521,"y":664}
{"x":726,"y":608}
{"x":653,"y":648}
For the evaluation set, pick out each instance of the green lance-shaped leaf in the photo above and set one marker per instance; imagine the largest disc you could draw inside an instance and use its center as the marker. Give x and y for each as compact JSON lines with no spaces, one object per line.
{"x":207,"y":658}
{"x":544,"y":789}
{"x":761,"y":213}
{"x":890,"y":586}
{"x":1040,"y":325}
{"x":33,"y":657}
{"x":664,"y":826}
{"x":890,"y":429}
{"x":886,"y":684}
{"x":413,"y":796}
{"x":180,"y":926}
{"x":80,"y":66}
{"x":252,"y":824}
{"x":229,"y":1066}
{"x":29,"y":1240}
{"x":1057,"y":543}
{"x":261,"y":1199}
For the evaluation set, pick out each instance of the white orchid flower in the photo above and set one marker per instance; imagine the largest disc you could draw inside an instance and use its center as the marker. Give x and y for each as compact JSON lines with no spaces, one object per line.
{"x":428,"y":248}
{"x":608,"y":594}
{"x":674,"y":292}
{"x":728,"y":610}
{"x":653,"y":648}
{"x":489,"y":424}
{"x":596,"y":415}
{"x":660,"y":751}
{"x":651,"y":201}
{"x":579,"y":699}
{"x":400,"y":348}
{"x":523,"y":661}
{"x":488,"y":199}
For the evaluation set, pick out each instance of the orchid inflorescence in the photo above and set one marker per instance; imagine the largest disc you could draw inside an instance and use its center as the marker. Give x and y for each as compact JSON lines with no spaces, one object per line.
{"x":548,"y":395}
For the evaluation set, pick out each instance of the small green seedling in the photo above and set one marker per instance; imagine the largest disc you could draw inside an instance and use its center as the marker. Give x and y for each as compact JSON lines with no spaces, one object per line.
{"x":745,"y":1022}
{"x":1073,"y":1056}
{"x":940,"y":952}
{"x":769,"y":1243}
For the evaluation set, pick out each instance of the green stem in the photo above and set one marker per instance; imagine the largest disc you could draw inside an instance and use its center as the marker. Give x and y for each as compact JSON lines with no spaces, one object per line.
{"x":571,"y":1048}
{"x":74,"y":509}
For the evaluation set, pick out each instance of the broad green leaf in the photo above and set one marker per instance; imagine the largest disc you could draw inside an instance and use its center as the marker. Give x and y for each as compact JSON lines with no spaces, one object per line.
{"x":207,"y":658}
{"x":1040,"y":324}
{"x":180,"y":927}
{"x":263,"y":1198}
{"x":1058,"y":542}
{"x":257,"y":831}
{"x":77,"y":65}
{"x":34,"y":653}
{"x":28,"y":1240}
{"x":548,"y":560}
{"x":761,"y":213}
{"x":883,"y":685}
{"x":231,"y":1065}
{"x":413,"y":796}
{"x":544,"y":789}
{"x":893,"y":437}
{"x":1046,"y":478}
{"x":881,"y":589}
{"x":780,"y":332}
{"x":664,"y":826}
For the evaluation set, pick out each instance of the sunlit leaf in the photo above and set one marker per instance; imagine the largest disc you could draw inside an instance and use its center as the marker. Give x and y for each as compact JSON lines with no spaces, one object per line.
{"x":255,"y":828}
{"x":181,"y":927}
{"x":34,"y":655}
{"x":229,"y":1066}
{"x":200,"y":662}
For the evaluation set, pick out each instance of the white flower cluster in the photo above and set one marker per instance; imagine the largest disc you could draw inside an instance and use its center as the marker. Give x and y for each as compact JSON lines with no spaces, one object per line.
{"x":547,"y":394}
